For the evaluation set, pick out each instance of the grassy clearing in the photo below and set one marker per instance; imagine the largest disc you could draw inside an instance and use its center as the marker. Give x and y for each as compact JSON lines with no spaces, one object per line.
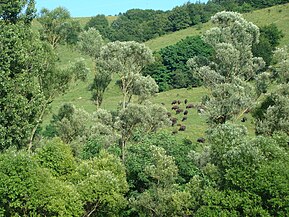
{"x":278,"y":14}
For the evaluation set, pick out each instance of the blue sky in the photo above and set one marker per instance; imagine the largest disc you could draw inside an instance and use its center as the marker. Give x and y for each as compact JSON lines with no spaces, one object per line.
{"x":85,"y":8}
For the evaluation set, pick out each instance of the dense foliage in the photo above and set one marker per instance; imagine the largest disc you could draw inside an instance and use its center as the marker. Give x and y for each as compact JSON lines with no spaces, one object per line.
{"x":123,"y":162}
{"x":170,"y":69}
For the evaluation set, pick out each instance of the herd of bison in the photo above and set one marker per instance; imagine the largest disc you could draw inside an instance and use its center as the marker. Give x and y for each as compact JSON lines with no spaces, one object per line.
{"x":179,"y":115}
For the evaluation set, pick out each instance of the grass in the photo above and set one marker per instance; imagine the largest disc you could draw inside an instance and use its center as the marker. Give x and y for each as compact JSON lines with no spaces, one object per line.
{"x":278,"y":14}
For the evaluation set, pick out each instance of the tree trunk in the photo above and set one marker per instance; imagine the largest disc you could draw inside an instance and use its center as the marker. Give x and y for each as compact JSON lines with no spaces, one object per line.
{"x":36,"y":126}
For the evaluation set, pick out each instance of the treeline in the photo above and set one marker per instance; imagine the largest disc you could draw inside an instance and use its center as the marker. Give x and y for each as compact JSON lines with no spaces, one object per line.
{"x":142,"y":25}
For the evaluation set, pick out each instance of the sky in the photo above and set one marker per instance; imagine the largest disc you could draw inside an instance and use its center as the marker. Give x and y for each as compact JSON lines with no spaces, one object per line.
{"x":87,"y":8}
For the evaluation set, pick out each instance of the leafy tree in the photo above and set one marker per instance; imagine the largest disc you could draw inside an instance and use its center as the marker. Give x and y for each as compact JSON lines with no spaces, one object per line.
{"x":101,"y":183}
{"x":179,"y":19}
{"x":19,"y":10}
{"x":273,"y":112}
{"x":57,"y":26}
{"x":237,"y":174}
{"x":175,"y":57}
{"x":54,"y":82}
{"x":147,"y":118}
{"x":163,"y":197}
{"x":100,"y":23}
{"x":280,"y":65}
{"x":90,"y":42}
{"x":57,"y":157}
{"x":26,"y":189}
{"x":20,"y":104}
{"x":233,"y":64}
{"x":127,"y":59}
{"x":269,"y":39}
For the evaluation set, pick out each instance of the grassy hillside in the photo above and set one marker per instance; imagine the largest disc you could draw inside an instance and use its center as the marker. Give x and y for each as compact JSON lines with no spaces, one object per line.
{"x":277,"y":14}
{"x":196,"y":125}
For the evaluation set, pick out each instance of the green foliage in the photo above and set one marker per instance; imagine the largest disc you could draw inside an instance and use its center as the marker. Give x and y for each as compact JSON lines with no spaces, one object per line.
{"x":57,"y":26}
{"x":18,"y":10}
{"x":20,"y":104}
{"x":101,"y":182}
{"x":270,"y":37}
{"x":241,"y":176}
{"x":171,"y":68}
{"x":69,"y":124}
{"x":127,"y":59}
{"x":57,"y":157}
{"x":29,"y":190}
{"x":90,"y":42}
{"x":100,"y":23}
{"x":273,"y":112}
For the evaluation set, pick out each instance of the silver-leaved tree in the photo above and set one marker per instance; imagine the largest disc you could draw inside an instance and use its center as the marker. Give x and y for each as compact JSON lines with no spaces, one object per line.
{"x":231,"y":67}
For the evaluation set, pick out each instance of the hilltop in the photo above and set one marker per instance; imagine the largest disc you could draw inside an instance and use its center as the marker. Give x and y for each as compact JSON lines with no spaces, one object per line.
{"x":276,"y":14}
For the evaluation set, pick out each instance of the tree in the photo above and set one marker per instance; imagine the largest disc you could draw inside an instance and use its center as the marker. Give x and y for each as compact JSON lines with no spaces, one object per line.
{"x":19,"y":10}
{"x":179,"y":19}
{"x":57,"y":26}
{"x":101,"y":183}
{"x":127,"y":59}
{"x":269,"y":39}
{"x":20,"y":104}
{"x":162,"y":196}
{"x":53,"y":81}
{"x":100,"y":23}
{"x":241,"y":175}
{"x":232,"y":66}
{"x":26,"y":189}
{"x":90,"y":42}
{"x":146,"y":117}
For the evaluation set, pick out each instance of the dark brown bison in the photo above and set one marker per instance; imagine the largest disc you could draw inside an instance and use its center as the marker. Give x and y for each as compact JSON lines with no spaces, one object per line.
{"x":179,"y":102}
{"x":186,"y":101}
{"x":201,"y":140}
{"x":174,"y":102}
{"x":182,"y":128}
{"x":186,"y":112}
{"x":190,"y":106}
{"x":175,"y":107}
{"x":244,"y":119}
{"x":184,"y":118}
{"x":178,"y":111}
{"x":169,"y":114}
{"x":174,"y":121}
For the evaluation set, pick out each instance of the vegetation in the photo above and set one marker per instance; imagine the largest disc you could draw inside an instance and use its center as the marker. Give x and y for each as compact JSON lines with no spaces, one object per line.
{"x":125,"y":154}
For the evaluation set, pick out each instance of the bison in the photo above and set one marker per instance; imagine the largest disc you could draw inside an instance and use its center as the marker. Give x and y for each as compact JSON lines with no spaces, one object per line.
{"x":174,"y":121}
{"x":184,"y":118}
{"x":190,"y":106}
{"x":201,"y":140}
{"x":244,"y":119}
{"x":175,"y":107}
{"x":174,"y":102}
{"x":186,"y":112}
{"x":182,"y":128}
{"x":178,"y":111}
{"x":186,"y":101}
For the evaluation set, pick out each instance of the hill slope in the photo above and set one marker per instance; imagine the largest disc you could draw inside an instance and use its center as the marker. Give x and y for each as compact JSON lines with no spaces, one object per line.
{"x":278,"y":14}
